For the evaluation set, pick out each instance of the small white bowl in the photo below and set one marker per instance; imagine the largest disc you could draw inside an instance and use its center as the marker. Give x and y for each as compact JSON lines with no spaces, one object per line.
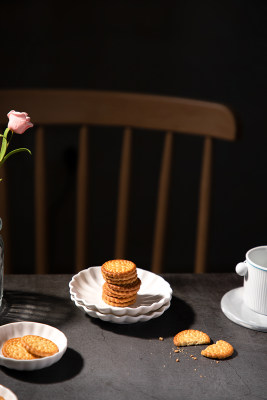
{"x":18,"y":329}
{"x":7,"y":393}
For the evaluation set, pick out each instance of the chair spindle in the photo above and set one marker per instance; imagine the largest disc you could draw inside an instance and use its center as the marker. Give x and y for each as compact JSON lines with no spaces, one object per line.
{"x":82,"y":199}
{"x":162,"y":204}
{"x":204,"y":205}
{"x":123,"y":194}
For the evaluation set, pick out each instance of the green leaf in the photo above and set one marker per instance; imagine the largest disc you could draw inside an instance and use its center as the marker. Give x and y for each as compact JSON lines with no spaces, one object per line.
{"x":4,"y":145}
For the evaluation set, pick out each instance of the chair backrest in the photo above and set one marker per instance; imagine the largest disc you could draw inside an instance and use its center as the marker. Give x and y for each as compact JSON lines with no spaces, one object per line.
{"x":130,"y":111}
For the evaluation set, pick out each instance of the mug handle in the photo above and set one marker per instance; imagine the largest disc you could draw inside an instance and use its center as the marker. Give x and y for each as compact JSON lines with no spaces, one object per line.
{"x":241,"y":268}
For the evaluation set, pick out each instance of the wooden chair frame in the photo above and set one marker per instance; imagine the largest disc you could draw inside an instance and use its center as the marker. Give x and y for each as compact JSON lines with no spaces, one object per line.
{"x":81,"y":107}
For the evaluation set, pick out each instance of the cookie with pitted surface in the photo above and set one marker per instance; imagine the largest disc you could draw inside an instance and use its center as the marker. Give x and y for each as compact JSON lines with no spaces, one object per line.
{"x":191,"y":337}
{"x":220,"y":350}
{"x":121,"y":282}
{"x":13,"y":348}
{"x":116,"y":302}
{"x":131,"y":288}
{"x":119,"y":294}
{"x":39,"y":346}
{"x":118,"y":269}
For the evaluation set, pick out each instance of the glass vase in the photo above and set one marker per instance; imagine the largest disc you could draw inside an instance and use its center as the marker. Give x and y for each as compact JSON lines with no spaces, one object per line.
{"x":1,"y":265}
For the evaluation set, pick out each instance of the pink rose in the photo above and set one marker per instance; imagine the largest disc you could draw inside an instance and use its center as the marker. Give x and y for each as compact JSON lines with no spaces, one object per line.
{"x":19,"y":121}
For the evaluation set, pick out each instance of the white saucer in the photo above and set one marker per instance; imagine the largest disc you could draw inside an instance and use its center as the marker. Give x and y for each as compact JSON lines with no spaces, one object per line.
{"x":234,"y":308}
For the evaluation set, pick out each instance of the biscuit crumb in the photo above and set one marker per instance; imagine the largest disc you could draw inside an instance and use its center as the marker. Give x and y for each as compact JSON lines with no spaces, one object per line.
{"x":177,"y":360}
{"x":161,"y":338}
{"x":176,"y":351}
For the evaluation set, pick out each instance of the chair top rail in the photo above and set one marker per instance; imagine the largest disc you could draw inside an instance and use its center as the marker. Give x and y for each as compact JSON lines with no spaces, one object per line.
{"x":179,"y":115}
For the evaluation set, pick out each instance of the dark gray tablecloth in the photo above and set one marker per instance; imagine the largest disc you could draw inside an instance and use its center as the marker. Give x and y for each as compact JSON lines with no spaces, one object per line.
{"x":111,"y":361}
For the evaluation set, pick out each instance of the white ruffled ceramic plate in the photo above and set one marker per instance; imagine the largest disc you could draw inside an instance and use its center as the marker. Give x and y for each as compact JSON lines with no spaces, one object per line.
{"x":7,"y":394}
{"x":18,"y":329}
{"x":86,"y":288}
{"x":123,"y":319}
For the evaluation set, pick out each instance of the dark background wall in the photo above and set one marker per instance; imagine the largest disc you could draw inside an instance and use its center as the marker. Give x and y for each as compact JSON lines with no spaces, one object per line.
{"x":205,"y":50}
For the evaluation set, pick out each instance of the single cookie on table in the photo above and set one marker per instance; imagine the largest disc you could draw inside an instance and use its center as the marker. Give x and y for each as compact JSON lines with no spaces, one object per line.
{"x":39,"y":346}
{"x":116,"y":302}
{"x":220,"y":350}
{"x":118,"y":270}
{"x":190,"y":337}
{"x":13,"y":348}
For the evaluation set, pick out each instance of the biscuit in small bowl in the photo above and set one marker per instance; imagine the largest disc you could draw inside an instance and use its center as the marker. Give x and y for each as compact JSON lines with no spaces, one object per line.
{"x":14,"y":351}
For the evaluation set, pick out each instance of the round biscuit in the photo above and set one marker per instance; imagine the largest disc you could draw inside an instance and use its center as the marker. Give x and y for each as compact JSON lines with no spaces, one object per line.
{"x":121,"y":282}
{"x":220,"y":350}
{"x":13,"y":348}
{"x":119,"y":295}
{"x":190,"y":337}
{"x":130,"y":287}
{"x":115,"y":299}
{"x":39,"y":346}
{"x":118,"y":277}
{"x":118,"y":268}
{"x":112,"y":301}
{"x":120,"y":291}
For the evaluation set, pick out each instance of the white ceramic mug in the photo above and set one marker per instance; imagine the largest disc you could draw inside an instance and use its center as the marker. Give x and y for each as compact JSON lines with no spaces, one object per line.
{"x":254,"y":270}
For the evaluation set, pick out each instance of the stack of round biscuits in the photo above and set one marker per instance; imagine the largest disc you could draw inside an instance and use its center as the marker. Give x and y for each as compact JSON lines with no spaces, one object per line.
{"x":122,"y":283}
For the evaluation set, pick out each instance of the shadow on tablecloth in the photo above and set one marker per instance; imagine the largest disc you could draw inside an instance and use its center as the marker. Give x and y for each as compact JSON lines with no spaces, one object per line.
{"x":24,"y":306}
{"x":178,"y":317}
{"x":69,"y":366}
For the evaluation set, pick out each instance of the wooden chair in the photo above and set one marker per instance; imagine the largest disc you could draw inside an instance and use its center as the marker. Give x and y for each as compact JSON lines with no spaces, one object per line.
{"x":130,"y":111}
